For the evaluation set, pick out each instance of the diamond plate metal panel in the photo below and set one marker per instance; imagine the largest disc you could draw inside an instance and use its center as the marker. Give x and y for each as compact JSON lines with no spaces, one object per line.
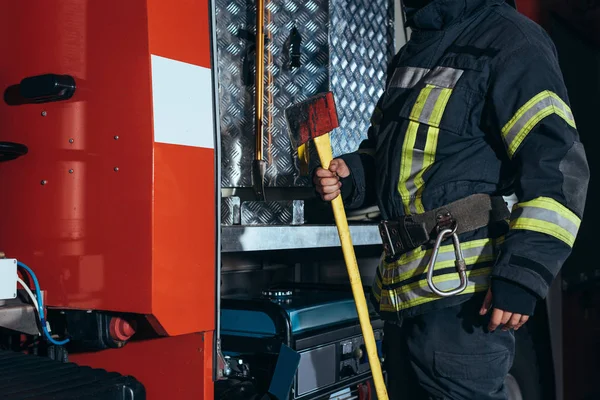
{"x":283,"y":85}
{"x":272,"y":212}
{"x":362,"y":44}
{"x":350,"y":60}
{"x":230,"y":210}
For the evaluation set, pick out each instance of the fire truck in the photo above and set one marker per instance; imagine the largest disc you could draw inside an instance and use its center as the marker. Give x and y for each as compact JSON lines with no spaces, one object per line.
{"x":129,"y":201}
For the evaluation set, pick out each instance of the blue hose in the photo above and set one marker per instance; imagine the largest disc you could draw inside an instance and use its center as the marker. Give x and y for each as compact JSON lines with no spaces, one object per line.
{"x":40,"y":302}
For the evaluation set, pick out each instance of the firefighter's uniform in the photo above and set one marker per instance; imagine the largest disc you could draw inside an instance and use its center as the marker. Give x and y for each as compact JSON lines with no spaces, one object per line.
{"x":475,"y":103}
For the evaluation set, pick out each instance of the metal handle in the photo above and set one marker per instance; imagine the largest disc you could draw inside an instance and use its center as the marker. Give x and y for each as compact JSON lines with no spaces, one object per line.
{"x":259,"y":80}
{"x":259,"y":166}
{"x":323,"y":146}
{"x":461,"y":266}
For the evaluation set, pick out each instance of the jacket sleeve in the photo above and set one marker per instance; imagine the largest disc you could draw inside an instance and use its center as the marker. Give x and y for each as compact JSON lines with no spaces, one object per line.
{"x":543,"y":152}
{"x":358,"y":189}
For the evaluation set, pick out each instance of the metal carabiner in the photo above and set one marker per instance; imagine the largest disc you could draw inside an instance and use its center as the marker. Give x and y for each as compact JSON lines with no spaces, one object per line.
{"x":461,"y":266}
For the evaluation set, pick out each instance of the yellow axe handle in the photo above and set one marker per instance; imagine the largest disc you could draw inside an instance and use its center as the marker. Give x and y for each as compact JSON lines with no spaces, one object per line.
{"x":323,"y":145}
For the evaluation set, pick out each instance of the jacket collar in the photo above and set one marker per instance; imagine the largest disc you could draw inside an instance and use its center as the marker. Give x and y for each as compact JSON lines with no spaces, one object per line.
{"x":440,"y":14}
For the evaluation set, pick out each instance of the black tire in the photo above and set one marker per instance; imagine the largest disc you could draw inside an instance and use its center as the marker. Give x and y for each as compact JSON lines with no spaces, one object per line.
{"x":525,"y":377}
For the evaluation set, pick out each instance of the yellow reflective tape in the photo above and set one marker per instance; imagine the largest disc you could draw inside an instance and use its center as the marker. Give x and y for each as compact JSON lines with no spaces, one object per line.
{"x":544,"y":227}
{"x":529,"y":115}
{"x":431,"y":145}
{"x":440,"y":107}
{"x":395,"y":305}
{"x":420,"y":103}
{"x":509,"y":125}
{"x":408,"y":147}
{"x":438,"y":265}
{"x":423,"y":300}
{"x":435,"y":110}
{"x":405,"y":164}
{"x":514,"y":145}
{"x":567,"y":117}
{"x":424,"y":254}
{"x":442,"y":278}
{"x":429,"y":158}
{"x":419,"y":253}
{"x":549,"y":203}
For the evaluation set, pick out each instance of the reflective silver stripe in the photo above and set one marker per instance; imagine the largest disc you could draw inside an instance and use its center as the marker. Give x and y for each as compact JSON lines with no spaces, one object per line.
{"x":405,"y":298}
{"x":450,"y":284}
{"x":546,"y":216}
{"x":418,"y":156}
{"x":528,"y":116}
{"x":428,"y":110}
{"x":444,"y":77}
{"x":407,"y":77}
{"x":376,"y":286}
{"x":429,"y":105}
{"x":525,"y":118}
{"x":477,"y":248}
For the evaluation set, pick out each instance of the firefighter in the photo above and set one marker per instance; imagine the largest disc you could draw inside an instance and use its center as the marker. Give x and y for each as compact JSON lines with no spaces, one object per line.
{"x":475,"y":109}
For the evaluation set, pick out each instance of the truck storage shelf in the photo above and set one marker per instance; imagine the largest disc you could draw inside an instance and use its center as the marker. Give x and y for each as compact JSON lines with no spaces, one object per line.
{"x":261,"y":238}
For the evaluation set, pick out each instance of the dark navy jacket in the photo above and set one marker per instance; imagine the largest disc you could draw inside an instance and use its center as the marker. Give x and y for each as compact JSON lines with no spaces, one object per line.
{"x":475,"y":103}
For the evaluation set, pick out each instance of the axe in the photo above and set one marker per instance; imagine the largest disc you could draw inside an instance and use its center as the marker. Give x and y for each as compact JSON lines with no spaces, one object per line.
{"x":313,"y":119}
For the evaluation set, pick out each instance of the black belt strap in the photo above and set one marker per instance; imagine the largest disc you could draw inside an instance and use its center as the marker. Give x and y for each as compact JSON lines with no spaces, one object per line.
{"x":469,"y":214}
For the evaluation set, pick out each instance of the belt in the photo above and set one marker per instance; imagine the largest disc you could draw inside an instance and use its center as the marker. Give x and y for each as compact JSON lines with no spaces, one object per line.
{"x":465,"y":215}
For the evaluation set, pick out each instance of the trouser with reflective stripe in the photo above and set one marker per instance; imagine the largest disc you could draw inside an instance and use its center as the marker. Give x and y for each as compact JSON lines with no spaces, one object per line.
{"x":448,"y":354}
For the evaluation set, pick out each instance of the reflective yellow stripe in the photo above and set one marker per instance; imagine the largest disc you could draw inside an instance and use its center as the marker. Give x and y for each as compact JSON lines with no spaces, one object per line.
{"x":543,"y":227}
{"x":431,"y":145}
{"x":546,"y":215}
{"x":552,"y":205}
{"x":419,"y":293}
{"x":405,"y":164}
{"x":429,"y":108}
{"x":414,"y":263}
{"x":527,"y":117}
{"x":420,"y":103}
{"x":440,"y":107}
{"x":408,"y":147}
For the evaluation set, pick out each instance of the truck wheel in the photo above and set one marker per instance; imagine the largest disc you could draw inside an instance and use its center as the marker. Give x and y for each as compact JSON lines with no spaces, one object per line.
{"x":524,"y":379}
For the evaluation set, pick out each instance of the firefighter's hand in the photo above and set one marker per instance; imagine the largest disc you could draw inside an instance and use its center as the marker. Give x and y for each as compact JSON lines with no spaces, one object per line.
{"x":327,"y":181}
{"x":499,"y":317}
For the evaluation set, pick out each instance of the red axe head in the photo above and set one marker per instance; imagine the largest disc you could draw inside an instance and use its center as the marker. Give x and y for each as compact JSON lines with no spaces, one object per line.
{"x":311,"y":118}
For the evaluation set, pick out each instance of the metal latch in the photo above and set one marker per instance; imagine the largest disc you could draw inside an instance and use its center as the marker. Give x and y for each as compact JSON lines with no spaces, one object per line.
{"x":446,"y":228}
